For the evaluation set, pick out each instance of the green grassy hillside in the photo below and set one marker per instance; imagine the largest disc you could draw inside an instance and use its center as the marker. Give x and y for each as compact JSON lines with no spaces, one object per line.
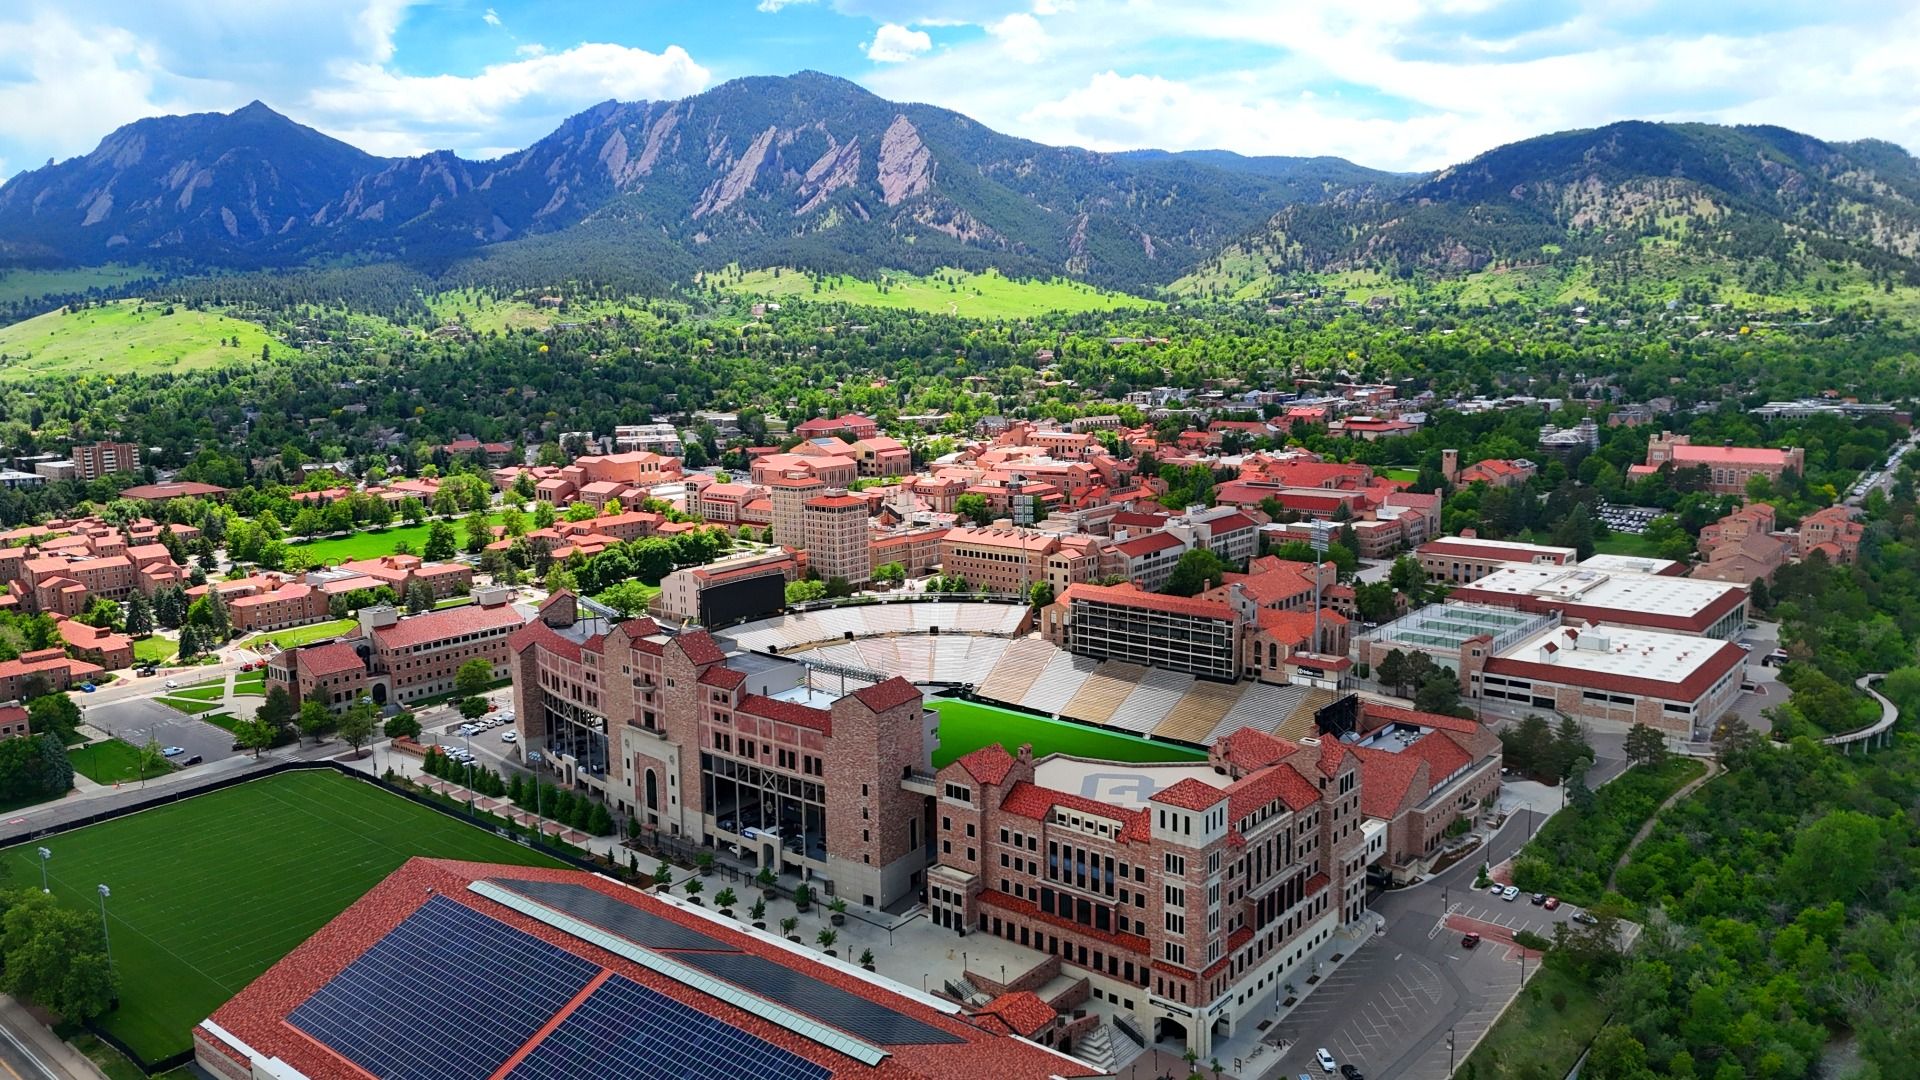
{"x":126,"y":337}
{"x":18,"y":285}
{"x":945,"y":292}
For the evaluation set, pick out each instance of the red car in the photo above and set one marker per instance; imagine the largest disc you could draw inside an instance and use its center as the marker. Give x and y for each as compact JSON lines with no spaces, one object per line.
{"x":1470,"y":941}
{"x":1552,"y":902}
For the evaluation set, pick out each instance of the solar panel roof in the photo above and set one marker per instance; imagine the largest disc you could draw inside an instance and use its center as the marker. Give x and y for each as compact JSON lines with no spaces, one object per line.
{"x":830,"y":1005}
{"x":625,"y":1030}
{"x":621,"y":920}
{"x":448,"y":993}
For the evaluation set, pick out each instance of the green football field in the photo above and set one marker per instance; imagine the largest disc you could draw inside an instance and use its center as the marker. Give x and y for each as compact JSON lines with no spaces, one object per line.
{"x":966,"y":726}
{"x":210,"y":892}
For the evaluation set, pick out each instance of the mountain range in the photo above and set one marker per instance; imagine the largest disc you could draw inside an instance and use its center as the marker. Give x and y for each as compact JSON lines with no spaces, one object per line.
{"x":813,"y":171}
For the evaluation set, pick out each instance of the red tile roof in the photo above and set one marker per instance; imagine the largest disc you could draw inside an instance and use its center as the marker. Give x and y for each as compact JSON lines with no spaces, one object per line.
{"x":1132,"y":596}
{"x":1022,"y":1011}
{"x":722,"y":676}
{"x":788,"y":712}
{"x":333,"y":658}
{"x":1189,"y":794}
{"x":257,"y":1015}
{"x":1375,"y":710}
{"x":699,"y":647}
{"x":1148,"y":544}
{"x":450,"y":623}
{"x":887,"y":695}
{"x":987,"y":765}
{"x":1250,"y":748}
{"x":1281,"y":781}
{"x":1034,"y":802}
{"x":1761,"y":456}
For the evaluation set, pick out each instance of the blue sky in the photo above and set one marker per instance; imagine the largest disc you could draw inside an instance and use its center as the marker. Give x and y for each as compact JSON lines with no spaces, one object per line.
{"x":1400,"y":84}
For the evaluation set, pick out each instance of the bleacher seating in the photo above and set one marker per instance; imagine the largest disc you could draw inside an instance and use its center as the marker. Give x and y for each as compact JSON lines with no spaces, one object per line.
{"x":1159,"y":690}
{"x":1058,"y":683}
{"x":1194,"y":717}
{"x":1103,"y":692}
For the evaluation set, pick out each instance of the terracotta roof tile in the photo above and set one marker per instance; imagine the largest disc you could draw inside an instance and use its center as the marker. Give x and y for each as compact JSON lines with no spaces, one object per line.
{"x":987,"y":765}
{"x":788,"y":712}
{"x":887,"y":695}
{"x":1190,"y":794}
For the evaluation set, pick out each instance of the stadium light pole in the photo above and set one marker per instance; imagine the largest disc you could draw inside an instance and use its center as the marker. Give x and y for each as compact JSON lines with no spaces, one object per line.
{"x":1319,"y":543}
{"x":466,"y":743}
{"x":105,"y":937}
{"x":44,"y":856}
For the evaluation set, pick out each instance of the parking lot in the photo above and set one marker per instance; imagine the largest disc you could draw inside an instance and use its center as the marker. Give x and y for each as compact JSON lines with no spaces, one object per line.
{"x":136,"y":720}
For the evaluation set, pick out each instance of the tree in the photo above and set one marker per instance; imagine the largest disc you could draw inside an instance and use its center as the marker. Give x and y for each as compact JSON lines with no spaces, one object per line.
{"x":892,"y":573}
{"x":33,"y":768}
{"x":1392,"y":670}
{"x":440,"y":542}
{"x":192,"y":642}
{"x":1040,"y":594}
{"x":403,"y":725}
{"x":278,"y":709}
{"x":629,"y":598}
{"x":599,"y":820}
{"x":473,"y":677}
{"x":356,"y":727}
{"x":55,"y":956}
{"x":104,"y":613}
{"x":802,"y":592}
{"x":479,"y":533}
{"x":315,"y":719}
{"x":1197,"y":571}
{"x":1438,"y":693}
{"x":663,"y":876}
{"x":826,"y":938}
{"x":973,"y":507}
{"x":1528,"y":746}
{"x":1407,"y":576}
{"x":1645,"y":746}
{"x":56,"y":715}
{"x":255,"y":734}
{"x":1373,"y":600}
{"x":473,"y":708}
{"x":148,"y":759}
{"x":419,"y":597}
{"x":1572,"y":751}
{"x":139,"y":616}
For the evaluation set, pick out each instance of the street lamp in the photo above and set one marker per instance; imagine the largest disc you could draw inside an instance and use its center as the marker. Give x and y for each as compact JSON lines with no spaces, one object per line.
{"x":105,"y":937}
{"x":44,"y":856}
{"x":466,"y":743}
{"x":1449,"y":1051}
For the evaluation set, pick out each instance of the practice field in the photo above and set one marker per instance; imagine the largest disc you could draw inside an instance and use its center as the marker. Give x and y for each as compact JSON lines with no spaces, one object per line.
{"x":303,"y":635}
{"x":210,"y":892}
{"x":966,"y":726}
{"x":946,"y":292}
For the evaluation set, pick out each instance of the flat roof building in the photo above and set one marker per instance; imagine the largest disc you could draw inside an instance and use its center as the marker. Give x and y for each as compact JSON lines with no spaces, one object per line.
{"x":1581,"y":593}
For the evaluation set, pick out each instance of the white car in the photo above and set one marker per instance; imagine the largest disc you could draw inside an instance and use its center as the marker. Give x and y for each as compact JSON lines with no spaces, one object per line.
{"x":172,"y":751}
{"x":509,"y":736}
{"x":1510,"y":893}
{"x":1325,"y":1059}
{"x":172,"y":685}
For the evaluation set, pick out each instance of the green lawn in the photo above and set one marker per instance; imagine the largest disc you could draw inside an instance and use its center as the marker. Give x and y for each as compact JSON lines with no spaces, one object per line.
{"x":1629,"y":544}
{"x":221,"y":720}
{"x":251,"y":683}
{"x":1534,"y":1039}
{"x":190,"y":706}
{"x":372,"y":545}
{"x":945,"y":292}
{"x":1405,"y":476}
{"x":112,"y":761}
{"x":210,"y":892}
{"x":127,"y":337}
{"x":966,"y":726}
{"x":204,"y":691}
{"x":301,"y":635}
{"x":155,"y":650}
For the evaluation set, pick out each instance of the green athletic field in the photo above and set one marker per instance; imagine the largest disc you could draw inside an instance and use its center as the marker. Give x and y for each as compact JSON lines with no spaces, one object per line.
{"x":210,"y":892}
{"x":966,"y":726}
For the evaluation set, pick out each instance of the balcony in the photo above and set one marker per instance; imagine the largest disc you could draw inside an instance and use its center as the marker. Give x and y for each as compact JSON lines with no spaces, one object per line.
{"x":920,"y":782}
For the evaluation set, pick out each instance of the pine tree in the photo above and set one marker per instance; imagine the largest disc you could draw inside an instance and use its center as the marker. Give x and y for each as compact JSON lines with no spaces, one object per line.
{"x":139,"y":616}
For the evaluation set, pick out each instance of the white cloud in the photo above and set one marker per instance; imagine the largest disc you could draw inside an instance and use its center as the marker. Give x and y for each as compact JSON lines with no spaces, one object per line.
{"x":893,"y":43}
{"x":370,"y":99}
{"x":531,"y":48}
{"x":1021,"y":37}
{"x":776,"y":5}
{"x":491,"y":18}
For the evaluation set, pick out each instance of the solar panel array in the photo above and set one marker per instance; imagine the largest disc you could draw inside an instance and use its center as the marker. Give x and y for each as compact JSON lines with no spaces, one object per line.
{"x":621,"y":920}
{"x":828,"y":1004}
{"x":447,"y":993}
{"x":625,"y":1030}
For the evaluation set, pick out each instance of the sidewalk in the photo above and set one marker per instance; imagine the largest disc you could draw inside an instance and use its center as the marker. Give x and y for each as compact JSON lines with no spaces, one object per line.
{"x":37,"y":1042}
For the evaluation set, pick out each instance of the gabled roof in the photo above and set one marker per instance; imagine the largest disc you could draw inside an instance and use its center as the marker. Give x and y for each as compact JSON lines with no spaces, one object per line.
{"x":887,"y":695}
{"x":699,"y":647}
{"x":788,"y":712}
{"x":1189,"y":794}
{"x":987,"y":765}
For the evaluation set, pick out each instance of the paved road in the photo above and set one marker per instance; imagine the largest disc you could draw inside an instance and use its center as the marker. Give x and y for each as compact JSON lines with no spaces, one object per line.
{"x":1389,"y":1009}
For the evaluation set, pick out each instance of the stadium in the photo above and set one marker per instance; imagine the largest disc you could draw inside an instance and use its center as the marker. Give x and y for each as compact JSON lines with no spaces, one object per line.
{"x":988,"y":651}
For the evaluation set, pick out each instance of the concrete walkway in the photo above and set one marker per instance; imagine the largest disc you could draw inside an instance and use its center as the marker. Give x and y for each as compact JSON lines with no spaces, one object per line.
{"x":1889,"y":716}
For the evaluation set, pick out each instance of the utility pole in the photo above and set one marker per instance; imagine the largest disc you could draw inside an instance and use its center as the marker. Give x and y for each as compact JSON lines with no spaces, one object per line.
{"x":44,"y":856}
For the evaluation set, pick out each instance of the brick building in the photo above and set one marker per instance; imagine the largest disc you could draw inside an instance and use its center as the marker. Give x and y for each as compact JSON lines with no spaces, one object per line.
{"x":1460,"y":560}
{"x":401,"y":659}
{"x":834,"y":528}
{"x":1182,"y":893}
{"x":51,"y":670}
{"x":1728,"y":468}
{"x":100,"y":459}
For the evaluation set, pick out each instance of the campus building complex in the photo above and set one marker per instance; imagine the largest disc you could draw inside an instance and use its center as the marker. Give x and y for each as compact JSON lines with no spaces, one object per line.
{"x":400,"y":659}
